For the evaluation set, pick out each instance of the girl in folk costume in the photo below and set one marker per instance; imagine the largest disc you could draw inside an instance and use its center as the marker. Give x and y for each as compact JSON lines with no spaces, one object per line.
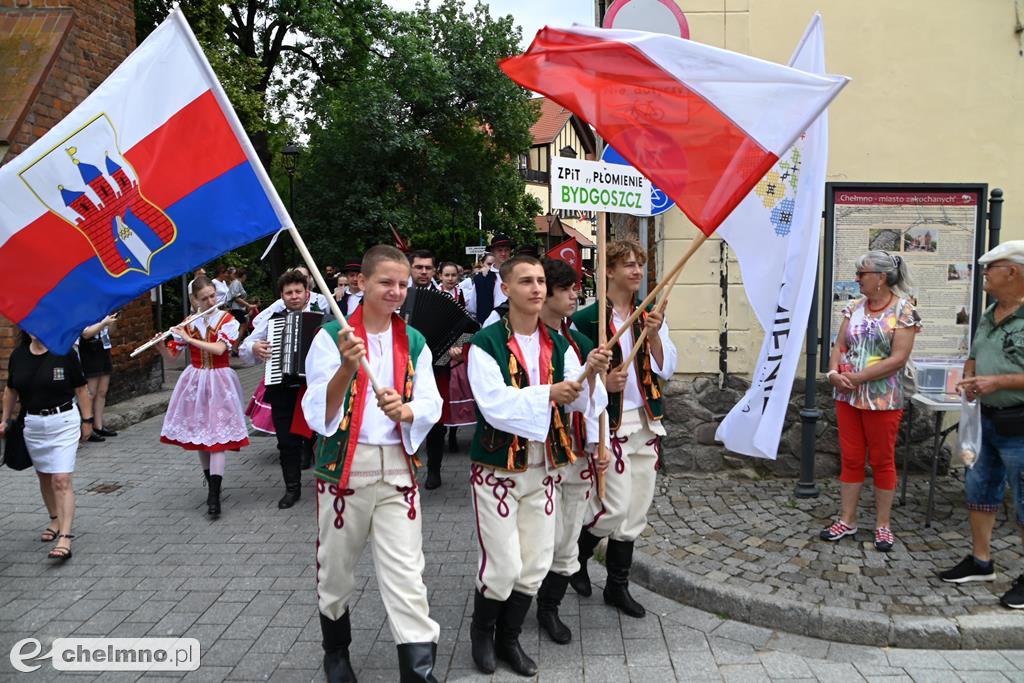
{"x":449,"y":273}
{"x":449,"y":376}
{"x":524,"y":381}
{"x":205,"y":411}
{"x":366,"y":485}
{"x":634,"y":418}
{"x":577,"y":479}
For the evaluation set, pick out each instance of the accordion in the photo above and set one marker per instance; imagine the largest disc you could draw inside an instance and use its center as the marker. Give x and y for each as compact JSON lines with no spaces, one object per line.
{"x":441,"y":320}
{"x":290,"y":335}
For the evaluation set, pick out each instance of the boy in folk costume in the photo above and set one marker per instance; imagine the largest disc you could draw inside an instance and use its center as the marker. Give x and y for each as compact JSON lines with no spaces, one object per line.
{"x":523,"y":377}
{"x":634,"y":417}
{"x":577,"y":479}
{"x":366,"y":488}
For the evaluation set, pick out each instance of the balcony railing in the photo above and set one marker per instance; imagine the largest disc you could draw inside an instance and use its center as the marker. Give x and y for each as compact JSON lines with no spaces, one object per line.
{"x":532,"y":176}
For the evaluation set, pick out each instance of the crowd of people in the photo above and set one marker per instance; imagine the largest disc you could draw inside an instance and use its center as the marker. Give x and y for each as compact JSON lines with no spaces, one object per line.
{"x":547,"y":483}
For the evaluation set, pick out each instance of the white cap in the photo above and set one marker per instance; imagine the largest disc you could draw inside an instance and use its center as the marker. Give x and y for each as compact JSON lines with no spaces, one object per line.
{"x":1009,"y":251}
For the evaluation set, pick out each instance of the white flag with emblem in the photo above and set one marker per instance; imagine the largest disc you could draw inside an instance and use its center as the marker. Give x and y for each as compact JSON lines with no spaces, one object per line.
{"x":775,"y":233}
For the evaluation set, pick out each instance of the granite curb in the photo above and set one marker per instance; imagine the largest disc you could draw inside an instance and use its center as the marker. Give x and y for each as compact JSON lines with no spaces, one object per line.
{"x":127,"y":413}
{"x":969,"y":632}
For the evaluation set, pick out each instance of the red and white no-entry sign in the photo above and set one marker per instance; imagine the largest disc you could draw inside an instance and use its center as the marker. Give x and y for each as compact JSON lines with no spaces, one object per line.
{"x":657,"y":16}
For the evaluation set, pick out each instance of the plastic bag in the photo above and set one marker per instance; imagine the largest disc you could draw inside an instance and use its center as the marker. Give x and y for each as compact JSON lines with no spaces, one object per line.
{"x":969,"y":431}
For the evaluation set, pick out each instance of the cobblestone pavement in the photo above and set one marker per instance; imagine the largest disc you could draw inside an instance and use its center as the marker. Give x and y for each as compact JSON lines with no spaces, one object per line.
{"x":147,"y":562}
{"x":755,"y":535}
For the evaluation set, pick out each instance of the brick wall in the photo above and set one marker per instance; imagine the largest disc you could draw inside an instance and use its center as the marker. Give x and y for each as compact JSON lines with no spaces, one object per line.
{"x":101,"y":35}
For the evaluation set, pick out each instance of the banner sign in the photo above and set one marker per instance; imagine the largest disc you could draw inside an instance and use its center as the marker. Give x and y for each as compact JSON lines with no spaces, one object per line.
{"x":597,"y":186}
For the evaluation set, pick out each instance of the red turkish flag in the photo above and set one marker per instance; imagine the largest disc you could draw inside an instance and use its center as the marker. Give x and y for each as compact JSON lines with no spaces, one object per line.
{"x":569,"y":251}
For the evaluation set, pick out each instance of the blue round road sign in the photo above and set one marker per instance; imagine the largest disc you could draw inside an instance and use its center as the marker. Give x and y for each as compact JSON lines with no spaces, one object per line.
{"x":660,"y":203}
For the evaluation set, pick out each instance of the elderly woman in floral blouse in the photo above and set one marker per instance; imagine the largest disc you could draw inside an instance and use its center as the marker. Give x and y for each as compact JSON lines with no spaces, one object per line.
{"x":871,"y":350}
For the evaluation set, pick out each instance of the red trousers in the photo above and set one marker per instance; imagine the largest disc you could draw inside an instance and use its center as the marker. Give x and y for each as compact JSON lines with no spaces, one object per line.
{"x":868,"y":433}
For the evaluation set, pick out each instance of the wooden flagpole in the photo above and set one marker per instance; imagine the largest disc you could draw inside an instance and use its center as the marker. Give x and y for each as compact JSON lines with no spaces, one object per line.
{"x":300,"y":244}
{"x":660,"y":308}
{"x":602,"y":337}
{"x":669,"y":278}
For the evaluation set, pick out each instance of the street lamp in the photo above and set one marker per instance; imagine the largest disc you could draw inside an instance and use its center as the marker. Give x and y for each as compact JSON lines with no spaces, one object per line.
{"x":291,"y":159}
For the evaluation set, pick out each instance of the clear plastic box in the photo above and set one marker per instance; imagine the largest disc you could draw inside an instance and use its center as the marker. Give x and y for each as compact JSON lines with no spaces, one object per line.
{"x":939,"y":374}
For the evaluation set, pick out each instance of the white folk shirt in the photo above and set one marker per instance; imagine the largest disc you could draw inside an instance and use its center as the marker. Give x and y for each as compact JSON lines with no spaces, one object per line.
{"x":526,"y":411}
{"x":259,"y":329}
{"x":324,"y":359}
{"x":352,"y":301}
{"x":632,"y":398}
{"x":470,"y":291}
{"x":222,"y":290}
{"x":228,"y":333}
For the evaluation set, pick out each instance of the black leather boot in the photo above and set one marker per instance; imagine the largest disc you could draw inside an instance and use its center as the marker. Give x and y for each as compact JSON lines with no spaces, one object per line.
{"x":213,"y":497}
{"x":307,"y":454}
{"x":292,"y":476}
{"x":549,"y":597}
{"x":506,"y":634}
{"x":416,"y":662}
{"x":435,"y":453}
{"x":453,"y":441}
{"x":337,"y":636}
{"x":206,"y":477}
{"x":616,"y":589}
{"x":481,"y":632}
{"x":433,"y":474}
{"x":580,"y":581}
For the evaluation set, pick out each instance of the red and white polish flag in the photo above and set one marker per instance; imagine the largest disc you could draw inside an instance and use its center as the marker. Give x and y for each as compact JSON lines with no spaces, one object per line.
{"x":702,"y":123}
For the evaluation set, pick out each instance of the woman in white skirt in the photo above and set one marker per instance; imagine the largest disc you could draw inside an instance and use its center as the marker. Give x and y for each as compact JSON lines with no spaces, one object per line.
{"x":50,"y":387}
{"x":205,"y":411}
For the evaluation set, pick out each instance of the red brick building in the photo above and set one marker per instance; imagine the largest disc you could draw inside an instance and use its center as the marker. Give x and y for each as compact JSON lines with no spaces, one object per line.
{"x":52,"y":54}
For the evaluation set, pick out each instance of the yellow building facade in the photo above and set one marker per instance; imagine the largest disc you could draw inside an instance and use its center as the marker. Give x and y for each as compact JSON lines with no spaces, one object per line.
{"x":937,"y":95}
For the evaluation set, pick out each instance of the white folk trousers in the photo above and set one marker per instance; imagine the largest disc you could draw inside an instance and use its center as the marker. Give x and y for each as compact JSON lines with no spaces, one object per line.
{"x":389,"y":518}
{"x":576,"y":489}
{"x":515,"y":518}
{"x":629,"y":479}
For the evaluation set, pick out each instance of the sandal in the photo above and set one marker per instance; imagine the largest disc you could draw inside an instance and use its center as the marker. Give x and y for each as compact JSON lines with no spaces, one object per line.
{"x":49,"y":534}
{"x":61,"y":552}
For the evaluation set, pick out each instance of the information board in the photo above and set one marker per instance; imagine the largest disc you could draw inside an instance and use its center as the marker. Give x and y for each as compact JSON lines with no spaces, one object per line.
{"x":938,"y":229}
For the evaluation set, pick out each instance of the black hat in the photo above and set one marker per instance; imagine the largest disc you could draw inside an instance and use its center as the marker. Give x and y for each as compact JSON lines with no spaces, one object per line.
{"x":500,"y":240}
{"x":352,"y":265}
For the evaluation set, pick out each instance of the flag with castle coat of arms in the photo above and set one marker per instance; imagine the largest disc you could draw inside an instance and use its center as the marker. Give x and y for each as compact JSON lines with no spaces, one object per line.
{"x":150,"y":176}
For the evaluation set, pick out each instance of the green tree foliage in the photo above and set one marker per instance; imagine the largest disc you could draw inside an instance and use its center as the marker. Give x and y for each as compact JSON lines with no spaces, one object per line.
{"x":407,"y":119}
{"x":421,"y":132}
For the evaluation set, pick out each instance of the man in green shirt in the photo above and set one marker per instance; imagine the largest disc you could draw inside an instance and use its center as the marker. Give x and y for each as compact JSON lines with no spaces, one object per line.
{"x":994,"y":375}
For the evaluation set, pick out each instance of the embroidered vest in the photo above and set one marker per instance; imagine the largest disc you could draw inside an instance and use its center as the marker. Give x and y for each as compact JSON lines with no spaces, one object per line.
{"x":204,"y":359}
{"x":582,"y":346}
{"x":334,"y":453}
{"x":650,"y":387}
{"x":502,"y":450}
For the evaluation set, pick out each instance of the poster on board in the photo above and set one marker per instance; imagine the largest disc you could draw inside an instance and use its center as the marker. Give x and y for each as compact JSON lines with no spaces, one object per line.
{"x":937,"y":228}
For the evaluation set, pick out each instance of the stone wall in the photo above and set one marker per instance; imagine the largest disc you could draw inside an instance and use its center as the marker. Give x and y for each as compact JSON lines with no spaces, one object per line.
{"x":696,"y":404}
{"x":101,"y":35}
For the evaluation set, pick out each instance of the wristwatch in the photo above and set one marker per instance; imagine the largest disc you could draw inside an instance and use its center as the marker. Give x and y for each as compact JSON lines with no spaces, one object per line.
{"x":828,"y":375}
{"x":87,"y":420}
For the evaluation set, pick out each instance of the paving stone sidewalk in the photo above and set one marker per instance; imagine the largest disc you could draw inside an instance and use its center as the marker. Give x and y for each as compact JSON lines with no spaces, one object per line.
{"x":147,"y":562}
{"x":753,"y":536}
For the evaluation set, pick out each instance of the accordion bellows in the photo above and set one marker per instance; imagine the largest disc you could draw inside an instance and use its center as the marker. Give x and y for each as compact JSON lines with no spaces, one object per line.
{"x":441,"y":320}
